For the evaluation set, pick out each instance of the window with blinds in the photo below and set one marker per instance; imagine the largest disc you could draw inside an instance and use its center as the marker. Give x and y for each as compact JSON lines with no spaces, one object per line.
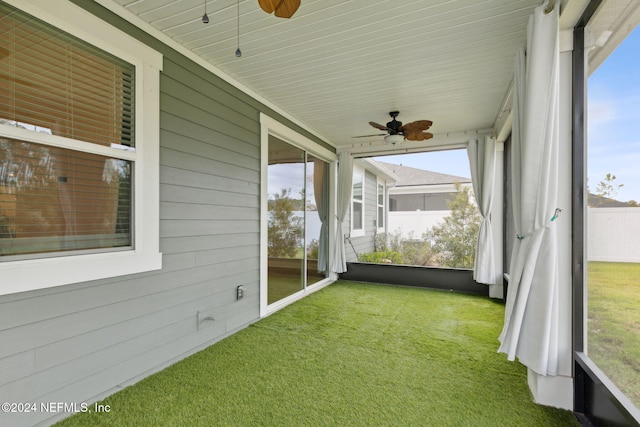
{"x":57,"y":83}
{"x":56,"y":199}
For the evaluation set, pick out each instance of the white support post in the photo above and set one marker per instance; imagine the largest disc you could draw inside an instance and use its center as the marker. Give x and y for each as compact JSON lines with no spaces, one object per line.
{"x":558,"y":390}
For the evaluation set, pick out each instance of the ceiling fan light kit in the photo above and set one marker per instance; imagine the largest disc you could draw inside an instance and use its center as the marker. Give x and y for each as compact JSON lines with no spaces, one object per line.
{"x":394,"y":139}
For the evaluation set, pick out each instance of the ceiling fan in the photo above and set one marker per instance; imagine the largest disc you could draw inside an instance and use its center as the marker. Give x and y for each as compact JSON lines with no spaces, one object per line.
{"x":280,"y":8}
{"x":397,"y":132}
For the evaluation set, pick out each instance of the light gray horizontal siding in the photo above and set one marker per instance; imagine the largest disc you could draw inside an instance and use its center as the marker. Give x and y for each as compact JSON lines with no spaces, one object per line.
{"x":81,"y":342}
{"x":364,"y":244}
{"x":198,"y":243}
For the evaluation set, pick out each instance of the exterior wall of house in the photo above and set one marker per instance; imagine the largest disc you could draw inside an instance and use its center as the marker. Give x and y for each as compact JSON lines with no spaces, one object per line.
{"x":81,"y":342}
{"x":420,"y":202}
{"x":364,"y":244}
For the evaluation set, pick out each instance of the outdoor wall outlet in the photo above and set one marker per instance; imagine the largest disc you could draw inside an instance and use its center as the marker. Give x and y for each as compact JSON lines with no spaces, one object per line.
{"x":239,"y":292}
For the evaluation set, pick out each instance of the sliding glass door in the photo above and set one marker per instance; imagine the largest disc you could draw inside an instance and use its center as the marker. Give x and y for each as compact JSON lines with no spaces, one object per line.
{"x":297,"y":219}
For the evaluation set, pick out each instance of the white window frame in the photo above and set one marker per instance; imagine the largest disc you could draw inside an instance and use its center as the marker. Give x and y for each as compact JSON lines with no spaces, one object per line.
{"x":381,"y":183}
{"x":40,"y":273}
{"x":358,"y":232}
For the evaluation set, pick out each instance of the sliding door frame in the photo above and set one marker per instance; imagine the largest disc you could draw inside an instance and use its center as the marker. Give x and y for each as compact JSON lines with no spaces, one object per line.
{"x":597,"y":400}
{"x":271,"y":127}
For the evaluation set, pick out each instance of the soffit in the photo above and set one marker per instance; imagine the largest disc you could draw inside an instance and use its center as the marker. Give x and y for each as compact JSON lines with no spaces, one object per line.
{"x":336,"y":65}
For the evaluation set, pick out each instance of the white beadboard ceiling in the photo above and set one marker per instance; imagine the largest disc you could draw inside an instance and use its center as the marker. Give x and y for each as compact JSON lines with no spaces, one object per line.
{"x":338,"y":64}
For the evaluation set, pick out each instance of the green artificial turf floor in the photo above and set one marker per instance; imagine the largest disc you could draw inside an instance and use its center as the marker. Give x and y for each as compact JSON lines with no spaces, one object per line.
{"x":351,"y":354}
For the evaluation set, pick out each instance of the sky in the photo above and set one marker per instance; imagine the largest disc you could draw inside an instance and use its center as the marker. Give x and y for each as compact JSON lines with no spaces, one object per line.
{"x":613,"y":127}
{"x":614,"y":119}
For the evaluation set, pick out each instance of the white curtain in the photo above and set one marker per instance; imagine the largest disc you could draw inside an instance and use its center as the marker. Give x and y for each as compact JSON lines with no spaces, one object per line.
{"x":482,"y":162}
{"x":530,"y":330}
{"x":345,"y":178}
{"x":321,"y":192}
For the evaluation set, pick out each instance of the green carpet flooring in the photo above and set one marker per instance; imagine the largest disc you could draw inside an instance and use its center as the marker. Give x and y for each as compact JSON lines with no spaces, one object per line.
{"x":351,"y":354}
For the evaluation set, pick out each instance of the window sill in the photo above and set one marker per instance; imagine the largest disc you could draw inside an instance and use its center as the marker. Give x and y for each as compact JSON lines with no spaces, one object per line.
{"x":357,"y":233}
{"x":29,"y":275}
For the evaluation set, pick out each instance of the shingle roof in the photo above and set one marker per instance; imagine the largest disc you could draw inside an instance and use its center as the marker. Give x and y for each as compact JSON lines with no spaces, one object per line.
{"x":598,"y":201}
{"x":408,"y":176}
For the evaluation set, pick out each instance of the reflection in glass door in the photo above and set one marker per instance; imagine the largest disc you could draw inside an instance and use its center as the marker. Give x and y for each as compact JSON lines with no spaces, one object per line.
{"x":317,"y":220}
{"x":297,"y":220}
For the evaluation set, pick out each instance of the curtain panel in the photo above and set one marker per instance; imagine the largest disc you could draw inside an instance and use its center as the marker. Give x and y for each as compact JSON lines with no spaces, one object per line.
{"x":482,"y":162}
{"x":321,"y":192}
{"x":530,"y":331}
{"x":345,"y":178}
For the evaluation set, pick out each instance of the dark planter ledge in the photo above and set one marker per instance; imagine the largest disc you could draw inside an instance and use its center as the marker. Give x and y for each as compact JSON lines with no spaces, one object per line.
{"x":448,"y":279}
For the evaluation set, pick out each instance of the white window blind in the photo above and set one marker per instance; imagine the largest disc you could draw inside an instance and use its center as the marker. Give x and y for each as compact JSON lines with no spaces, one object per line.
{"x":61,"y":84}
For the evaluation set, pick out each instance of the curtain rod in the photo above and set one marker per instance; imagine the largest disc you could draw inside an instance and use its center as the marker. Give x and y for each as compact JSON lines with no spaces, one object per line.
{"x":550,"y":6}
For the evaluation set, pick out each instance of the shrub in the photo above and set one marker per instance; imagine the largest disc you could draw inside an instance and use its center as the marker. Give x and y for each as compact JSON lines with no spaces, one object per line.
{"x":409,"y":251}
{"x":384,"y":257}
{"x":313,"y":248}
{"x":456,"y":238}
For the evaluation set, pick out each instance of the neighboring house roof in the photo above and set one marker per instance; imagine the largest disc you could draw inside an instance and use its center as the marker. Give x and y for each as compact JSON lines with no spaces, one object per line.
{"x":598,"y":201}
{"x":407,"y":176}
{"x":379,"y":169}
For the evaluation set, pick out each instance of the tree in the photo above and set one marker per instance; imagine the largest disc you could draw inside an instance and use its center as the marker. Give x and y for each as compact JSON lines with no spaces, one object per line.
{"x":285,"y":228}
{"x":455,"y":239}
{"x":608,"y":187}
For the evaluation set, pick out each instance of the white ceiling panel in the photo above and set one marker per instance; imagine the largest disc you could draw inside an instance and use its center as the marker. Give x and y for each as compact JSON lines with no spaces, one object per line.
{"x":336,"y":64}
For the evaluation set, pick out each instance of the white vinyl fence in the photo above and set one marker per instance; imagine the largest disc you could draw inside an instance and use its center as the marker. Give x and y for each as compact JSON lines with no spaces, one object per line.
{"x":414,"y":223}
{"x":613,"y":234}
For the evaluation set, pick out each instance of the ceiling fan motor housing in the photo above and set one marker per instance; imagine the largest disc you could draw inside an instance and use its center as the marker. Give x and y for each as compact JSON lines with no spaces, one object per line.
{"x":394,"y":125}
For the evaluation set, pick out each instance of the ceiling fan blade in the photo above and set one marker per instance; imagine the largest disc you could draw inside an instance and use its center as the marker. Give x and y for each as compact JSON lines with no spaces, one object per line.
{"x":379,"y":126}
{"x":419,"y":136}
{"x":282,"y":8}
{"x":269,"y":5}
{"x":287,"y":8}
{"x":369,"y":136}
{"x":417,"y":126}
